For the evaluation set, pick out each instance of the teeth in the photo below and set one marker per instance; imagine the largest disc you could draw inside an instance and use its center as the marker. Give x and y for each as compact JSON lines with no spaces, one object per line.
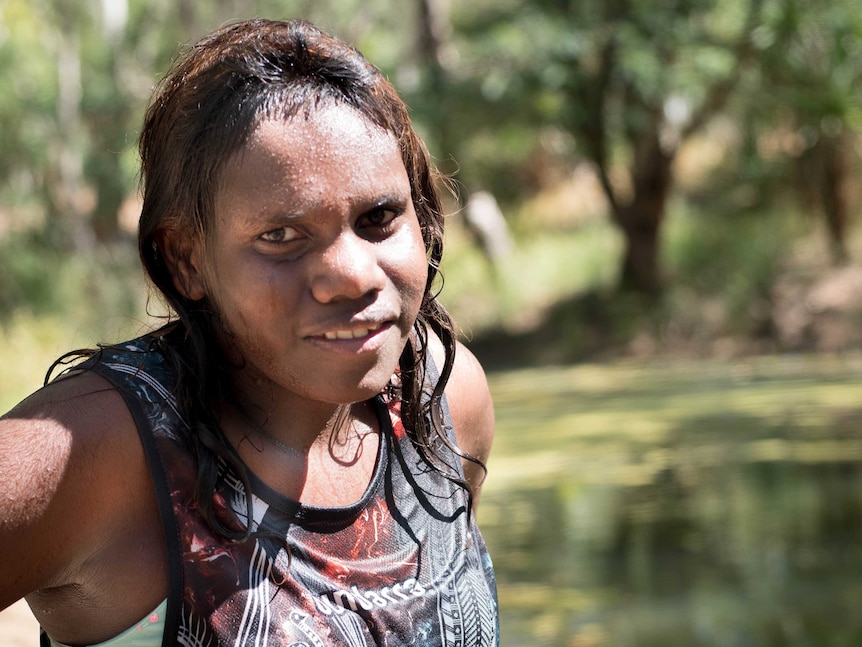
{"x":348,"y":334}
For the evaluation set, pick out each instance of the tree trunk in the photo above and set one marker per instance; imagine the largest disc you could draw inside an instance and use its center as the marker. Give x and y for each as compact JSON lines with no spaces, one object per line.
{"x":65,"y":182}
{"x":640,"y":271}
{"x":110,"y":193}
{"x":433,"y":29}
{"x":108,"y":130}
{"x":434,"y":32}
{"x":832,"y":196}
{"x":641,"y":218}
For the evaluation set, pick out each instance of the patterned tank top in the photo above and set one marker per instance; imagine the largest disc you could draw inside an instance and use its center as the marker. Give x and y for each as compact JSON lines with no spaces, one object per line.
{"x":405,"y":565}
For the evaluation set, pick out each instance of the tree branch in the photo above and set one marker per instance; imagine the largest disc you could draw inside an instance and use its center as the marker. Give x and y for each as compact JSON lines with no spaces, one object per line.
{"x":720,"y":93}
{"x":596,"y":131}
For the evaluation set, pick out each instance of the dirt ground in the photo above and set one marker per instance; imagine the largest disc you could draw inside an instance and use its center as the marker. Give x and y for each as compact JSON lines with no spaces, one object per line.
{"x":18,"y":627}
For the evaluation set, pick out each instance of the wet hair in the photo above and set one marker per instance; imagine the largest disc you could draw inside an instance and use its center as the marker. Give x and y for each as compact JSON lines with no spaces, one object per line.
{"x":201,"y":114}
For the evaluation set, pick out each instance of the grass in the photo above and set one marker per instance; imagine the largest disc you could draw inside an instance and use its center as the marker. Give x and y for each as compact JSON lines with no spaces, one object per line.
{"x":52,"y":302}
{"x":545,"y":265}
{"x":29,"y":344}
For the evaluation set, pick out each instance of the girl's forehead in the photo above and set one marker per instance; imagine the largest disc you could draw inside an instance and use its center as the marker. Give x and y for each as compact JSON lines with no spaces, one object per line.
{"x":324,"y":133}
{"x":333,"y":154}
{"x":301,"y":148}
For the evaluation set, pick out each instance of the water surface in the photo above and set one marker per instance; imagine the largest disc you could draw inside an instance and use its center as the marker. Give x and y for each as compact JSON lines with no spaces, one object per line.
{"x":679,"y":503}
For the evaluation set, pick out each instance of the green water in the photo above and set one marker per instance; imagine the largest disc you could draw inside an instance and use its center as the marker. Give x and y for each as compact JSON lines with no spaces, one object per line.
{"x":672,"y":504}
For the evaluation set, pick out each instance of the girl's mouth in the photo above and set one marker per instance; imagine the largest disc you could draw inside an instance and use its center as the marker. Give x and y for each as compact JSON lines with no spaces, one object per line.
{"x":354,"y":333}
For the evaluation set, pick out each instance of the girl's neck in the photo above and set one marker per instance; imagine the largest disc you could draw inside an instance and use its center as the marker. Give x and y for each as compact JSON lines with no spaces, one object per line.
{"x":330,"y":469}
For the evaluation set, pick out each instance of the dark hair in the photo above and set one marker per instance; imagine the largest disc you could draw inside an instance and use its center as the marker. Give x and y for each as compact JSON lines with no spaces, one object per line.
{"x":202,"y":113}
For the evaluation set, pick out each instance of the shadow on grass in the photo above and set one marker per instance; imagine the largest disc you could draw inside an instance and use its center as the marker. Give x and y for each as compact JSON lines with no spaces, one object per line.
{"x":594,"y":325}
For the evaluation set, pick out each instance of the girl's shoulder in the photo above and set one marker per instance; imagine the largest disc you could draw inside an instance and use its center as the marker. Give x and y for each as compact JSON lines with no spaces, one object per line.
{"x":70,"y":464}
{"x":470,"y":405}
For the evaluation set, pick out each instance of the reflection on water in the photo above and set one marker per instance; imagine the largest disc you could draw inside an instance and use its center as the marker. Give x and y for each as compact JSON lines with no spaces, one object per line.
{"x":679,"y":504}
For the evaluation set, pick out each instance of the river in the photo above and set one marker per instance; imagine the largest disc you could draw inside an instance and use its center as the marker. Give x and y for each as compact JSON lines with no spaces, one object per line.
{"x":678,"y":503}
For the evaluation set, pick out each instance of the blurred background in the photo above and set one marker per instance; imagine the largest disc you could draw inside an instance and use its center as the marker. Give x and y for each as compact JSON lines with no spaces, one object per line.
{"x":654,"y":249}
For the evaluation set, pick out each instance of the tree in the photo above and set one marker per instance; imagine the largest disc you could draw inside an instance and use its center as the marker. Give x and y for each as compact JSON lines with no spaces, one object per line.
{"x":80,"y":73}
{"x":657,"y":75}
{"x":628,"y":80}
{"x":812,"y":70}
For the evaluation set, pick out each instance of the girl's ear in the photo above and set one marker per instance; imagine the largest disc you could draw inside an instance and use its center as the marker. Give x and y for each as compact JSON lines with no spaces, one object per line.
{"x":182,"y":254}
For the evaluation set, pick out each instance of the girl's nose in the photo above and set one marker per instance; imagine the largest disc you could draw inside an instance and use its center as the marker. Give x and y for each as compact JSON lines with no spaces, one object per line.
{"x":347,"y":269}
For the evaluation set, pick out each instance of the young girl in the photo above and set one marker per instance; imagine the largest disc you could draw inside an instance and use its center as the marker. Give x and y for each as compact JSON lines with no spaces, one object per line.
{"x":295,"y":459}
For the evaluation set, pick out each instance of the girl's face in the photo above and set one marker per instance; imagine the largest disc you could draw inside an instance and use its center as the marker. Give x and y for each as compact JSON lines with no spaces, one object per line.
{"x":315,"y":263}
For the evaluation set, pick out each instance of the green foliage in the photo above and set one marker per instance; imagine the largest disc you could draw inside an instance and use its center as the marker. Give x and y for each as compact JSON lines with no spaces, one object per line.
{"x":28,"y":75}
{"x":39,"y":278}
{"x":812,"y":59}
{"x":546,"y":266}
{"x":24,"y":259}
{"x":541,"y":65}
{"x":526,"y":92}
{"x":731,"y":258}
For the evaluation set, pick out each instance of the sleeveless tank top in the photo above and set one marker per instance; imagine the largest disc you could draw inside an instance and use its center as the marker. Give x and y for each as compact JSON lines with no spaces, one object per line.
{"x":404,"y":565}
{"x":146,"y":633}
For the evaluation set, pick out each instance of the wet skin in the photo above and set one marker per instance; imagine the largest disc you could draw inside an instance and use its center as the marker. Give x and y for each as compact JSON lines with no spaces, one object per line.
{"x":316,"y":267}
{"x":315,"y":264}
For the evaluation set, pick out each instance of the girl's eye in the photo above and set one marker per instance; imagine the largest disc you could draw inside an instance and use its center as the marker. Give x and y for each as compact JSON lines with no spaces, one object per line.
{"x":280,"y":235}
{"x":380,"y":217}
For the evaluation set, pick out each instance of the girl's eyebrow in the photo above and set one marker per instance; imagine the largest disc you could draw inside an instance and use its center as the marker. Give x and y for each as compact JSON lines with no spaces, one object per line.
{"x":251,"y":223}
{"x":275,"y":213}
{"x":397,"y":198}
{"x":286,"y":215}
